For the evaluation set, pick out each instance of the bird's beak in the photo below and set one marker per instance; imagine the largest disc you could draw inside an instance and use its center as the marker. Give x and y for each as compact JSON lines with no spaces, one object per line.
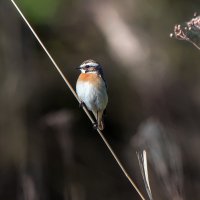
{"x":78,"y":68}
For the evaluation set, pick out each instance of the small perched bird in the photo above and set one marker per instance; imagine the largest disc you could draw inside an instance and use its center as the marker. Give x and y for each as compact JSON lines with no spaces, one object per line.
{"x":92,"y":90}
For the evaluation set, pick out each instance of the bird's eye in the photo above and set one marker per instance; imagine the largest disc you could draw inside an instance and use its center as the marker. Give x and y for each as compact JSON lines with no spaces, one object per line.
{"x":87,"y":66}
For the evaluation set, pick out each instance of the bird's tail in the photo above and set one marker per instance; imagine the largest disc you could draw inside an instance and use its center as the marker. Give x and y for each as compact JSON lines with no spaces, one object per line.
{"x":101,"y":126}
{"x":99,"y":117}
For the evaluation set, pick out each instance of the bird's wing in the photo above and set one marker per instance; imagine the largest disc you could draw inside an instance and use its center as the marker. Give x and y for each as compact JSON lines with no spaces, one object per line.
{"x":102,"y":76}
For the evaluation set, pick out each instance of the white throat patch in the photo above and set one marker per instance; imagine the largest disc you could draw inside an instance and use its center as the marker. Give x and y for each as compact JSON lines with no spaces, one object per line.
{"x":83,"y":71}
{"x":88,"y":72}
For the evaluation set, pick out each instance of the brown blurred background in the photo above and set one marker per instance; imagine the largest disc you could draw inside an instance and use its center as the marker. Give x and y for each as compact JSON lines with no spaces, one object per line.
{"x":48,"y":149}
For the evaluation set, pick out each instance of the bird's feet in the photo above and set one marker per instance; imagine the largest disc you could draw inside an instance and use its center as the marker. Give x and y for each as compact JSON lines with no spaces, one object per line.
{"x":81,"y":104}
{"x":95,"y":126}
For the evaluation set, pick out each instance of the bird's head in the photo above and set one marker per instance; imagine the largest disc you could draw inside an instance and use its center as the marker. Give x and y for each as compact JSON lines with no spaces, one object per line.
{"x":90,"y":66}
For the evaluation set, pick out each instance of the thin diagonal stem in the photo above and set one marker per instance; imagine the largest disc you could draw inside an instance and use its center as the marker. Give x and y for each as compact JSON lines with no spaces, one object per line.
{"x":120,"y":164}
{"x":52,"y":60}
{"x":84,"y":108}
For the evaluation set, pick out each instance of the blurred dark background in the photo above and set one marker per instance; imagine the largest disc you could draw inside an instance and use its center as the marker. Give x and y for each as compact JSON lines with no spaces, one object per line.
{"x":48,"y":149}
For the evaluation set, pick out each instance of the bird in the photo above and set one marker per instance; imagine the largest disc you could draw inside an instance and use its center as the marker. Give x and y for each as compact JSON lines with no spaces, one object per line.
{"x":91,"y":89}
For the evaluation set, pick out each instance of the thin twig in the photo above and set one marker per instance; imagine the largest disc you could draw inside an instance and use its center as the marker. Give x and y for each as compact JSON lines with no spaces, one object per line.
{"x":189,"y":31}
{"x":84,"y":108}
{"x":52,"y":60}
{"x":142,"y":158}
{"x":195,"y":45}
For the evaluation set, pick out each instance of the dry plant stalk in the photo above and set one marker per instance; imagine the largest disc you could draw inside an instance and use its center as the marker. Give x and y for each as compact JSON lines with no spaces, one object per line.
{"x":142,"y":158}
{"x":164,"y":157}
{"x":189,"y":31}
{"x":84,"y":107}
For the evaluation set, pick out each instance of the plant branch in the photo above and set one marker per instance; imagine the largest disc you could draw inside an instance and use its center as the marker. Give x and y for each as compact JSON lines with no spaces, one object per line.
{"x":142,"y":158}
{"x":84,"y":108}
{"x":189,"y":31}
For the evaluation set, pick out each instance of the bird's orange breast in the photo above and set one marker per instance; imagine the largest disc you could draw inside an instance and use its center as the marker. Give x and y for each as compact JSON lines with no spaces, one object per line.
{"x":92,"y":78}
